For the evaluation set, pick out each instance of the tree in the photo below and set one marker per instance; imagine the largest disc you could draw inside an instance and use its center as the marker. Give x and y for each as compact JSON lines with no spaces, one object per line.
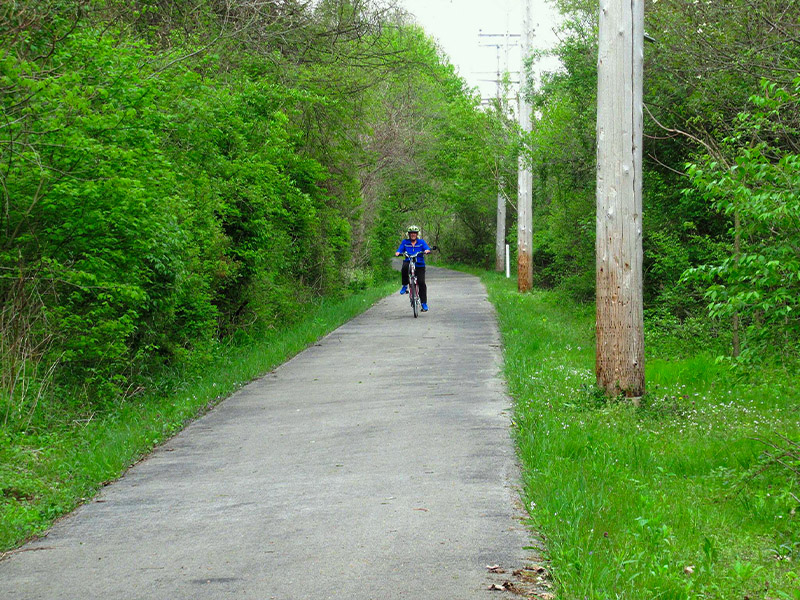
{"x":756,"y":184}
{"x":174,"y":174}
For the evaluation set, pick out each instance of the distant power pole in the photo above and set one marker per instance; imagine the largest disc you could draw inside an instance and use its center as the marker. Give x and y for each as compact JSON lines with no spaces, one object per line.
{"x":620,"y":326}
{"x":500,"y":238}
{"x":525,"y":177}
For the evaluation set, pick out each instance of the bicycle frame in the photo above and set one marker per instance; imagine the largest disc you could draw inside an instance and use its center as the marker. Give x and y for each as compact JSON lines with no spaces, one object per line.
{"x":413,"y":290}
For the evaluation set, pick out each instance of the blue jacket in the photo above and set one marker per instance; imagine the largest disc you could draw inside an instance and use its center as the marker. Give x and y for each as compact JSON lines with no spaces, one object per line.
{"x":405,"y":246}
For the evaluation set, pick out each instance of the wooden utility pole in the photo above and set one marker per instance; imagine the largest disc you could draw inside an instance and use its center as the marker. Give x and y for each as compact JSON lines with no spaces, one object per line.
{"x":525,"y":177}
{"x":500,"y":237}
{"x":620,"y":319}
{"x":507,"y":43}
{"x":500,"y":244}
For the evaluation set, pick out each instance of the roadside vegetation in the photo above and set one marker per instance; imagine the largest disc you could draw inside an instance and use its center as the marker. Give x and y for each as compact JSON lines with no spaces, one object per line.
{"x":693,"y":494}
{"x":721,"y":208}
{"x":184,"y":182}
{"x":60,"y":463}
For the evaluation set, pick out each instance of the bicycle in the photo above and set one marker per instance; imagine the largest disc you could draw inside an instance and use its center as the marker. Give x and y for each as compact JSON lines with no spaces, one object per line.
{"x":413,"y":289}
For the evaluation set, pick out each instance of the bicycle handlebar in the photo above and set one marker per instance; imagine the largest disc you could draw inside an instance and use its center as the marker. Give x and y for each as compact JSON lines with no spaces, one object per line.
{"x":407,"y":255}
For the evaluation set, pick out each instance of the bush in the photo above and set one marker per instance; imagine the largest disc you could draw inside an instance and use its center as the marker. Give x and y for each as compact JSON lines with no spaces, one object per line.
{"x":759,"y":191}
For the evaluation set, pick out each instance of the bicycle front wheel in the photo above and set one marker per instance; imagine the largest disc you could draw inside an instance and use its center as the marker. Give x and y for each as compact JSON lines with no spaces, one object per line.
{"x":413,"y":294}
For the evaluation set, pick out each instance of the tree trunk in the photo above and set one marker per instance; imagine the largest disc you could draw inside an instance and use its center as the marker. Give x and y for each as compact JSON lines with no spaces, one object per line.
{"x":620,"y":318}
{"x":737,"y":251}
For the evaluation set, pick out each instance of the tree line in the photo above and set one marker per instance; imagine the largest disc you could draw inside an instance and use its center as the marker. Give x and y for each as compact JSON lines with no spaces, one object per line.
{"x":177,"y":174}
{"x":721,"y":209}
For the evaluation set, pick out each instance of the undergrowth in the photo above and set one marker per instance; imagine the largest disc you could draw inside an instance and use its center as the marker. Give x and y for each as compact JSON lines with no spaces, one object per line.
{"x":694,"y":494}
{"x":65,"y":454}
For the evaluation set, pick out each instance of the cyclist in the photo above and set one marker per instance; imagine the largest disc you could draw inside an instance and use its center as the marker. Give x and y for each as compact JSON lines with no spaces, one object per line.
{"x":412,"y":245}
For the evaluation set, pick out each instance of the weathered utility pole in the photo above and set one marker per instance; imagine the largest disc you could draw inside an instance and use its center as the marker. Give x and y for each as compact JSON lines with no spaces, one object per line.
{"x":620,"y":320}
{"x":525,"y":177}
{"x":500,"y":238}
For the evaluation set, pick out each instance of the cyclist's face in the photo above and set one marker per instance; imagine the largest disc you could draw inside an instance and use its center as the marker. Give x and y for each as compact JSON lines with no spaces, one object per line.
{"x":412,"y":235}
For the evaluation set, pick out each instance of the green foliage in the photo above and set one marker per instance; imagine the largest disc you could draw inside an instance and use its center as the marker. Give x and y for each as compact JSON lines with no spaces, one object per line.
{"x":561,"y":152}
{"x":681,"y":497}
{"x":173,"y":175}
{"x":46,"y":472}
{"x":441,"y":158}
{"x":760,"y":191}
{"x":703,"y":68}
{"x":90,"y":206}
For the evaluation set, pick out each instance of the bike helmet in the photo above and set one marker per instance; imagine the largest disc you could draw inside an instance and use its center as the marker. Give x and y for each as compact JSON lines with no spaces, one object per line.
{"x":413,"y":229}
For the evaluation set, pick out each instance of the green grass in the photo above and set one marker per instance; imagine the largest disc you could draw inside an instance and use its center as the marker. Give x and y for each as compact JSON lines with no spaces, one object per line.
{"x":675,"y":499}
{"x":48,"y":472}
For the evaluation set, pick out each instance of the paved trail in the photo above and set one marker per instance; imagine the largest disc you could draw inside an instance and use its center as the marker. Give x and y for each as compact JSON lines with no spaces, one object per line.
{"x":329,"y":478}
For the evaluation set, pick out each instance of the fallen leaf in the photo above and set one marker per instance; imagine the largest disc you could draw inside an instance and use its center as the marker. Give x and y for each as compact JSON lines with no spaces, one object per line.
{"x":688,"y":569}
{"x":507,"y":586}
{"x":535,"y":573}
{"x":495,"y":569}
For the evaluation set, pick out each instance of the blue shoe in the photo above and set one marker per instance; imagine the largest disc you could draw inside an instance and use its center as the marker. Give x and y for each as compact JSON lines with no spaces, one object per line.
{"x":424,"y":307}
{"x":404,"y":290}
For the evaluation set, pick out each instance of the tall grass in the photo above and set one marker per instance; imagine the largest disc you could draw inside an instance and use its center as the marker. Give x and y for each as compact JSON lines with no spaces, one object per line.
{"x":681,"y":498}
{"x":47,"y":471}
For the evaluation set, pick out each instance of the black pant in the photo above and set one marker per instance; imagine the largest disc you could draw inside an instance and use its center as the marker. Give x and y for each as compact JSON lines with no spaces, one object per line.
{"x":420,"y":271}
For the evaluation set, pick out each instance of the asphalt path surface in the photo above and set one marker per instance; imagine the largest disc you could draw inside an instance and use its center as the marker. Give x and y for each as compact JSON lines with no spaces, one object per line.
{"x":377,"y":464}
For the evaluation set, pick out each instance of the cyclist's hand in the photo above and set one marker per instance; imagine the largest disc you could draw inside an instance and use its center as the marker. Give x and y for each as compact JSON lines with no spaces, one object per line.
{"x":427,"y":251}
{"x":397,"y":254}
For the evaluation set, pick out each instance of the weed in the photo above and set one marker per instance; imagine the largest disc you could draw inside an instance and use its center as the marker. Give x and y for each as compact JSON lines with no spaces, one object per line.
{"x":678,"y":498}
{"x":47,"y":470}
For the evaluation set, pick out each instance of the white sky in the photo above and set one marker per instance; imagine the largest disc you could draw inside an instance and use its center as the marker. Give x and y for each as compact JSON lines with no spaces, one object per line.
{"x":457,"y":25}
